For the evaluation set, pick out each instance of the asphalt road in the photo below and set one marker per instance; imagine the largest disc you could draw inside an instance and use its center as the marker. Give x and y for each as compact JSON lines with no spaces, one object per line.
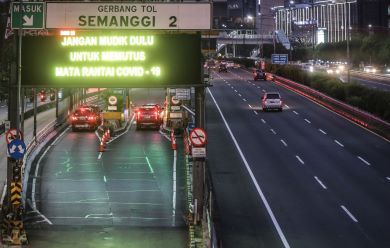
{"x":325,"y":180}
{"x":370,"y":83}
{"x":119,"y":197}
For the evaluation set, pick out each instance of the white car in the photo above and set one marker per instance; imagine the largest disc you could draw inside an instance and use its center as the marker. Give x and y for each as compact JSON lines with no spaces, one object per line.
{"x":272,"y":100}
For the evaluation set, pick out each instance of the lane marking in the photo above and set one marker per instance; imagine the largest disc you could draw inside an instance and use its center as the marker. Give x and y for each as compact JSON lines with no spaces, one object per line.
{"x":105,"y":179}
{"x":249,"y":105}
{"x":273,"y":131}
{"x":287,"y":106}
{"x":338,"y":143}
{"x":127,"y":130}
{"x":149,"y":164}
{"x":322,"y":131}
{"x":174,"y":188}
{"x":255,"y":112}
{"x":165,"y":135}
{"x":299,"y":159}
{"x":263,"y":121}
{"x":235,"y":90}
{"x":388,"y":178}
{"x":363,"y":160}
{"x":295,"y":112}
{"x":232,"y":87}
{"x":319,"y":181}
{"x":349,"y":213}
{"x":263,"y":91}
{"x":284,"y":142}
{"x":239,"y":94}
{"x":100,"y":155}
{"x":244,"y":99}
{"x":258,"y":87}
{"x":307,"y":121}
{"x":34,"y":203}
{"x":260,"y":192}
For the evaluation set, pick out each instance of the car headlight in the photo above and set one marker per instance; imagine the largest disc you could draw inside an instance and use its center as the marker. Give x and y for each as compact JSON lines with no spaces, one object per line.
{"x":388,"y":69}
{"x":373,"y":70}
{"x":329,"y":71}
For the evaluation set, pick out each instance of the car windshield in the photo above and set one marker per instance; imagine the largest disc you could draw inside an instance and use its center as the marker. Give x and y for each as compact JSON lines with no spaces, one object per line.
{"x":82,"y":112}
{"x":272,"y":96}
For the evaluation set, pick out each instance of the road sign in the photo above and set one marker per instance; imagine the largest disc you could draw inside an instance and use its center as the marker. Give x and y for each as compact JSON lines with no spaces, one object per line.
{"x":16,"y":149}
{"x":183,"y":94}
{"x":198,"y":152}
{"x":174,"y":100}
{"x":28,"y":15}
{"x":13,"y":134}
{"x":141,"y":16}
{"x":112,"y":100}
{"x":198,"y":137}
{"x":280,"y":59}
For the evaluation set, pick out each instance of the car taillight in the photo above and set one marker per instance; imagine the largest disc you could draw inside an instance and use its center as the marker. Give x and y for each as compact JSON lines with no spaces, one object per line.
{"x":138,"y":114}
{"x":74,"y":118}
{"x":156,"y":114}
{"x":91,"y":118}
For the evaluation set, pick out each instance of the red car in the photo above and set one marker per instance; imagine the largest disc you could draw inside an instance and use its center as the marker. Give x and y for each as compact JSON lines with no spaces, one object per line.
{"x":85,"y":118}
{"x":149,"y":115}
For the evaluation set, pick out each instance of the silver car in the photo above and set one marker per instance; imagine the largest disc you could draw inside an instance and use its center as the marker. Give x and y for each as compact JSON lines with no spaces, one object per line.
{"x":272,"y":100}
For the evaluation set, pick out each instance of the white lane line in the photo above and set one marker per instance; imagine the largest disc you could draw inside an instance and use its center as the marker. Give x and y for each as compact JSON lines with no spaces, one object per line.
{"x":255,"y":112}
{"x":283,"y":142}
{"x":338,"y":143}
{"x":287,"y":106}
{"x":34,"y":203}
{"x":165,"y":135}
{"x":273,"y":131}
{"x":322,"y":131}
{"x":105,"y":179}
{"x":260,"y":192}
{"x":249,"y":105}
{"x":388,"y":178}
{"x":244,"y":99}
{"x":363,"y":160}
{"x":125,"y":132}
{"x":299,"y":159}
{"x":232,"y":87}
{"x":174,"y":189}
{"x":258,"y":87}
{"x":319,"y":181}
{"x":295,"y":112}
{"x":235,"y":90}
{"x":239,"y":95}
{"x":349,"y":213}
{"x":100,"y":155}
{"x":263,"y":91}
{"x":263,"y":121}
{"x":307,"y":121}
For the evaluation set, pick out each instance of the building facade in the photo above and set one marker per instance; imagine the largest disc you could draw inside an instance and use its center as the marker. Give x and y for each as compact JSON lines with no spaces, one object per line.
{"x":320,"y":21}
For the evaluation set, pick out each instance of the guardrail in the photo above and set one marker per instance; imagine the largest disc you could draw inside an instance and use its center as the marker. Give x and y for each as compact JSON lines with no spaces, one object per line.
{"x":352,"y":113}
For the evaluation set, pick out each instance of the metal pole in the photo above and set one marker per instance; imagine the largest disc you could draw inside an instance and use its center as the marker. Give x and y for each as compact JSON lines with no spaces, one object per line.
{"x":348,"y":36}
{"x":20,"y":35}
{"x":35,"y":114}
{"x":23,"y":109}
{"x":57,"y":101}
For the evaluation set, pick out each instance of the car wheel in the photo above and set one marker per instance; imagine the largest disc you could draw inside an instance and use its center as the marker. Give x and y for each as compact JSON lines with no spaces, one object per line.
{"x":264,"y":109}
{"x":138,"y":127}
{"x":74,"y":129}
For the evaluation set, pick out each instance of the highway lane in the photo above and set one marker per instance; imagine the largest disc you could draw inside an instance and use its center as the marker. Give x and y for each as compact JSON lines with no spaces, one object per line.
{"x":312,"y":164}
{"x":130,"y":185}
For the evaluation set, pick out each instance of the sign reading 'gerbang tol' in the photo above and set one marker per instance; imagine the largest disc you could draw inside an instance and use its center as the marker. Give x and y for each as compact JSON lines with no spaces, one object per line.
{"x":111,"y":60}
{"x":99,"y":15}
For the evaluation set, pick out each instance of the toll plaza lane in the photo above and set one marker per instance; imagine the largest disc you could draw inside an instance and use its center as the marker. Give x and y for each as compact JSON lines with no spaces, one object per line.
{"x":308,"y":162}
{"x":129,"y":185}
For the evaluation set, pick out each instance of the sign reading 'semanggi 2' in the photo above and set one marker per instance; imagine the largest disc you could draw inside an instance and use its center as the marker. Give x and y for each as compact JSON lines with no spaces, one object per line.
{"x":100,"y":15}
{"x":107,"y":59}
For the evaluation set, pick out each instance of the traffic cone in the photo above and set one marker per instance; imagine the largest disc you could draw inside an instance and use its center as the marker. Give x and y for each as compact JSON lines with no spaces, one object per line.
{"x":101,"y":146}
{"x":173,"y":140}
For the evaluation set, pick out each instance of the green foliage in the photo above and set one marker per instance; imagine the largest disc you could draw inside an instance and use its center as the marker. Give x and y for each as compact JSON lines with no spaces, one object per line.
{"x":374,"y":101}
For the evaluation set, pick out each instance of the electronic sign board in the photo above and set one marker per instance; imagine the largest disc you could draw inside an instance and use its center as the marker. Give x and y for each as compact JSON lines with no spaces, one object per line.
{"x":112,"y":59}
